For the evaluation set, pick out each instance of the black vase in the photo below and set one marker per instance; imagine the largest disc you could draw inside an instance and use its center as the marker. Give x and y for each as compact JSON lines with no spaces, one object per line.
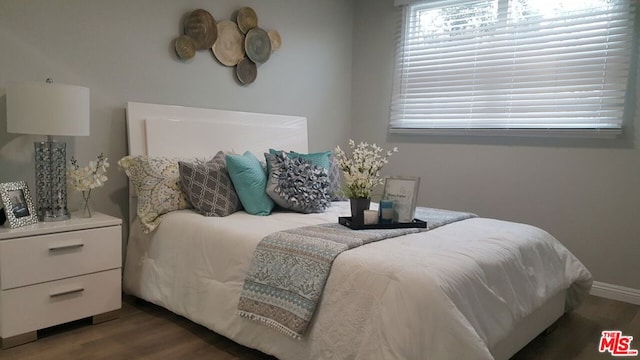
{"x":358,"y":206}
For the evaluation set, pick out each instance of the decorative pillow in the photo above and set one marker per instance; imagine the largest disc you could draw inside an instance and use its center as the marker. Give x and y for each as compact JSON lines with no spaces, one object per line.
{"x":326,"y":160}
{"x":208,"y":187}
{"x":296,"y":184}
{"x":250,"y":180}
{"x":335,"y":180}
{"x":155,"y":180}
{"x":320,"y":159}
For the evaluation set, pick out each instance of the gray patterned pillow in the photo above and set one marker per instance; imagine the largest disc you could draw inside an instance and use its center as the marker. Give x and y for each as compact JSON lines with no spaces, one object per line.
{"x":209,"y":188}
{"x":296,"y":184}
{"x":335,"y":180}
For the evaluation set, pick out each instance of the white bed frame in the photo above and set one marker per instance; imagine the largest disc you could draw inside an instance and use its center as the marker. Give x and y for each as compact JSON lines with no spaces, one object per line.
{"x":177,"y":131}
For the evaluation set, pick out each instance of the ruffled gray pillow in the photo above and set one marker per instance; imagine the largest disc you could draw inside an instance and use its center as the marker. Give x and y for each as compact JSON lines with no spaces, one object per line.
{"x":296,"y":184}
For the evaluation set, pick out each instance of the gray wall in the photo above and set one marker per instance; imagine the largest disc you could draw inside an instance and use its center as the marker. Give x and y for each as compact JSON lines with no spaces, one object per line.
{"x":584,"y":192}
{"x":122,"y":50}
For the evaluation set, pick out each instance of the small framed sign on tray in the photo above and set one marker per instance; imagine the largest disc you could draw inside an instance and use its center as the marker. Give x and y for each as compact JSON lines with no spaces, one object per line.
{"x":403,"y":191}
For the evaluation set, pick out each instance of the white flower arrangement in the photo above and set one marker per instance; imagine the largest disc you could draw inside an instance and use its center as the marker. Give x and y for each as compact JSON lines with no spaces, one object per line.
{"x":362,"y":170}
{"x":85,"y":179}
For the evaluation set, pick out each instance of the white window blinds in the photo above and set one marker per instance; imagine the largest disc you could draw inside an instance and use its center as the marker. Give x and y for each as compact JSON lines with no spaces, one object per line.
{"x":512,"y":64}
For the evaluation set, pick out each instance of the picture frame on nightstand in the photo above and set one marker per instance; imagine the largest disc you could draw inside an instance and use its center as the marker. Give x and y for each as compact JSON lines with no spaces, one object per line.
{"x":18,"y":204}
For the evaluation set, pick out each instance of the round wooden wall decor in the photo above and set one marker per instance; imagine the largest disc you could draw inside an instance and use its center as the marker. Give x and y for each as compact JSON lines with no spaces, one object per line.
{"x":185,"y":47}
{"x":238,"y":42}
{"x":276,"y":41}
{"x":247,"y":19}
{"x":257,"y":45}
{"x":229,"y":48}
{"x":201,"y":27}
{"x":246,"y":71}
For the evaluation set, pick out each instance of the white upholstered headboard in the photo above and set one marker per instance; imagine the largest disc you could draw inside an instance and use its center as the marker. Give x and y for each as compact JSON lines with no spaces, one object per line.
{"x":180,"y":131}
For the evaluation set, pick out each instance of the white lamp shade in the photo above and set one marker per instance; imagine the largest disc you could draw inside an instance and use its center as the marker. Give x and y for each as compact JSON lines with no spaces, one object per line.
{"x":48,"y":109}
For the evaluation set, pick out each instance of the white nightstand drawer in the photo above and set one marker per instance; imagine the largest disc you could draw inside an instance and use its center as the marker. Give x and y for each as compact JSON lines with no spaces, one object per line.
{"x":33,"y":260}
{"x":39,"y":306}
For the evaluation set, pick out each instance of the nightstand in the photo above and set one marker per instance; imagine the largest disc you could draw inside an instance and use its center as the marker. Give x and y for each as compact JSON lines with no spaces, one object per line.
{"x":56,"y":272}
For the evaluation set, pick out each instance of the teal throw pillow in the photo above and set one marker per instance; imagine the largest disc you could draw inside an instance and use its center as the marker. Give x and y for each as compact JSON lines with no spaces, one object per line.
{"x":250,"y":181}
{"x":319,"y":159}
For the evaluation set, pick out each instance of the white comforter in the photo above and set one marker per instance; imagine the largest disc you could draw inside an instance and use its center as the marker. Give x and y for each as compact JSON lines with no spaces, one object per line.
{"x":448,"y":293}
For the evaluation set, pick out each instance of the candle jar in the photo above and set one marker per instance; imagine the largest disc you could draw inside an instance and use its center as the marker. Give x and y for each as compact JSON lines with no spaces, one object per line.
{"x":370,"y":217}
{"x":385,"y":211}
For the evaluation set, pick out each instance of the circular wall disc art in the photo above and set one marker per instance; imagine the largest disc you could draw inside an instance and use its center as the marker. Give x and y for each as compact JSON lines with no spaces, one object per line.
{"x":257,"y":45}
{"x":201,"y":27}
{"x":246,"y":19}
{"x":185,"y":47}
{"x":246,"y":71}
{"x":229,"y":48}
{"x":276,"y":41}
{"x":238,"y":42}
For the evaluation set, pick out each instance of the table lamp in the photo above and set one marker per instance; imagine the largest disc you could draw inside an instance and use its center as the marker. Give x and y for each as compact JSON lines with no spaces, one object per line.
{"x":52,"y":110}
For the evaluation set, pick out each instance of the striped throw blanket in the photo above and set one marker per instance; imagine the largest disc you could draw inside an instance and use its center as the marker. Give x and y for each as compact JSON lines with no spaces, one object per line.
{"x":290,"y":268}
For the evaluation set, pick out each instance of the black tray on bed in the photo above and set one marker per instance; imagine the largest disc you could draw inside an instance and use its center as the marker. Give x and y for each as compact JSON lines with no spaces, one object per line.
{"x":416,"y":223}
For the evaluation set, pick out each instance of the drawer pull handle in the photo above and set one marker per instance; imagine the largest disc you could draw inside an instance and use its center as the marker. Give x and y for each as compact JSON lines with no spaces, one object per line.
{"x":63,"y":247}
{"x":66,"y":292}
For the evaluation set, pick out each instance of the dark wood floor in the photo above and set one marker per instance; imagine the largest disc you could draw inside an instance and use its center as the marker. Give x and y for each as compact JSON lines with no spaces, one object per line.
{"x":146,"y":331}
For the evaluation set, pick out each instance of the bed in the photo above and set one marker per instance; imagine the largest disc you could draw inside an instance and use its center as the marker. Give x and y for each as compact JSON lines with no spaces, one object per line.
{"x":474,"y":289}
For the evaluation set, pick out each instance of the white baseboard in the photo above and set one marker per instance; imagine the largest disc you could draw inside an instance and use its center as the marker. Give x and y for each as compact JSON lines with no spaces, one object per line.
{"x":616,"y":292}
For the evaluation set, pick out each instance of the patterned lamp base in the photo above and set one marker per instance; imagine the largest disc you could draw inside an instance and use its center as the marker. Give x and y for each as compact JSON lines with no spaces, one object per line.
{"x":51,"y":181}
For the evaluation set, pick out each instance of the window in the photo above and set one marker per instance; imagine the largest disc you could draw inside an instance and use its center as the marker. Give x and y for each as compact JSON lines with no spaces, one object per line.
{"x":520,"y":65}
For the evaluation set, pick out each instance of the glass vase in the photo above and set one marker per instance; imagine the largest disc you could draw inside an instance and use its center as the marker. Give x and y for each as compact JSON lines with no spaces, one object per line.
{"x":86,"y":207}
